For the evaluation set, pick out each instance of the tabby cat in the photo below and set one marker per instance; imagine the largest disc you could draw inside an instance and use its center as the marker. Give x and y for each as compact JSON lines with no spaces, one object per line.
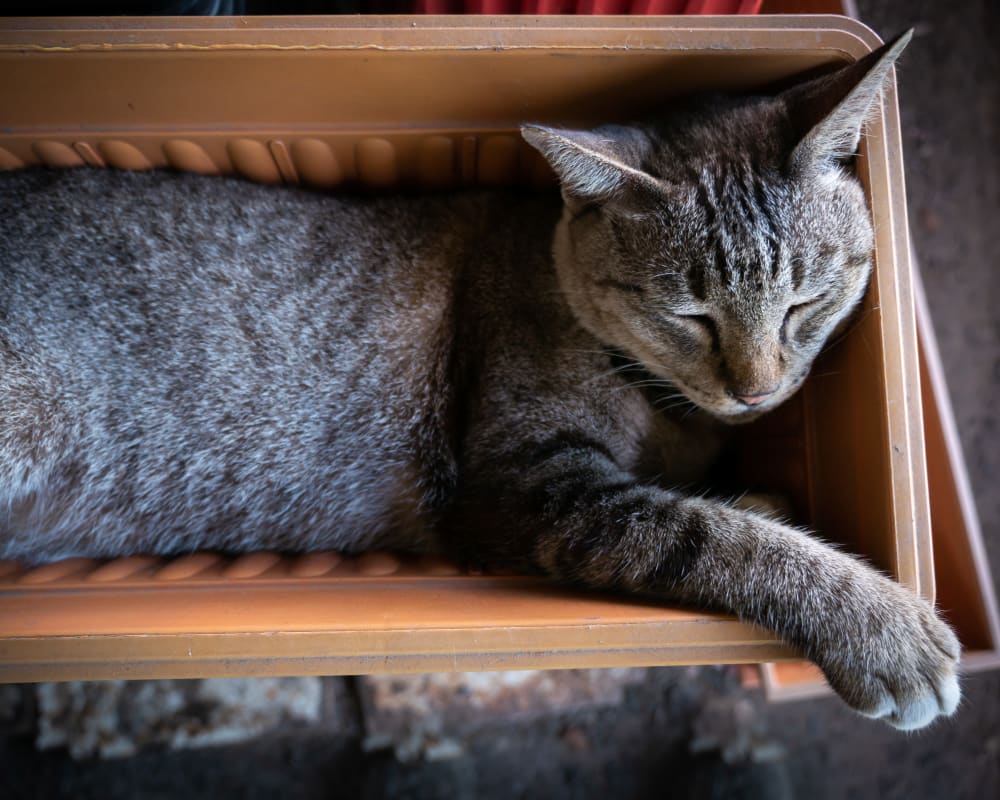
{"x":196,"y":362}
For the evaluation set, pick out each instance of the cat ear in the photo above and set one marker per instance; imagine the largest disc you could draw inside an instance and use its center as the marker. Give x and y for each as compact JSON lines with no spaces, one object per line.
{"x":595,"y":166}
{"x":828,"y":112}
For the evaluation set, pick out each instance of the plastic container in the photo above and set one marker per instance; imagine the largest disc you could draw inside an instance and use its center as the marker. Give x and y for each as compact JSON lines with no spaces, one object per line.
{"x":434,"y":102}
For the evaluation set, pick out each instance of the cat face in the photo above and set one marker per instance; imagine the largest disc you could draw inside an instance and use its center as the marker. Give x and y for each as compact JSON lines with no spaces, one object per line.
{"x":725,"y":278}
{"x":722,"y":245}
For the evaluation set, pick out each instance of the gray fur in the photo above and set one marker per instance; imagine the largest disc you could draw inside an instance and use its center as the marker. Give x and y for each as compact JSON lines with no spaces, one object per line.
{"x":193,"y":362}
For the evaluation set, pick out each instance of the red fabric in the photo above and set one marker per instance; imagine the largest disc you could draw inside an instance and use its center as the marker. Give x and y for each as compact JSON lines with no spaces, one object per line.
{"x":658,"y":6}
{"x":640,"y":7}
{"x":723,"y":7}
{"x":602,"y":7}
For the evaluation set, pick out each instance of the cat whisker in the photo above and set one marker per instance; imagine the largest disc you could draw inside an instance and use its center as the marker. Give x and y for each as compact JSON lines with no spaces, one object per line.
{"x":827,"y":374}
{"x":609,"y":352}
{"x":674,"y":396}
{"x":621,"y":368}
{"x":640,"y":384}
{"x":589,"y":352}
{"x":607,"y":374}
{"x":665,"y":409}
{"x":673,"y":401}
{"x":679,"y":401}
{"x":690,"y":411}
{"x":861,"y":317}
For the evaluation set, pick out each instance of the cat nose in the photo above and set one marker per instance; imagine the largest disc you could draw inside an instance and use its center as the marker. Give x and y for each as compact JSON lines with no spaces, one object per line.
{"x":753,"y":397}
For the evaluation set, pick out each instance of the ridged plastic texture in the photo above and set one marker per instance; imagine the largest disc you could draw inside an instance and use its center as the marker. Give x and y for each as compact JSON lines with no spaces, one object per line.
{"x":213,"y":566}
{"x":437,"y":161}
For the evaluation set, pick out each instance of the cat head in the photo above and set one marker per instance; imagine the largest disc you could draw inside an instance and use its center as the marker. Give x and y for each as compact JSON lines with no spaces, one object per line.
{"x":724,"y":243}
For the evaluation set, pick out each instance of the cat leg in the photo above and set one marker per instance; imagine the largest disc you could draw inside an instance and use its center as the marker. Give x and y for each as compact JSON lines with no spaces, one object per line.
{"x":564,"y":506}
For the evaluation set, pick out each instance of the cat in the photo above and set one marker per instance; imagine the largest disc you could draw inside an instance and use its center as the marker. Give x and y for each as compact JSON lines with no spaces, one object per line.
{"x":197,"y":362}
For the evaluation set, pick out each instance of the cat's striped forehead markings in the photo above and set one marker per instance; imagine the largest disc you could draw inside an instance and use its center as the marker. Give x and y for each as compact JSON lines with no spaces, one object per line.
{"x":740,"y":226}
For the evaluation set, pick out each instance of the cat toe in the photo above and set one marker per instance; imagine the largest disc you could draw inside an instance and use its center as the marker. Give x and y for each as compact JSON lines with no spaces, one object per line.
{"x":882,"y":707}
{"x":911,"y":708}
{"x":947,"y":643}
{"x":912,"y":679}
{"x":921,"y":710}
{"x":948,"y":695}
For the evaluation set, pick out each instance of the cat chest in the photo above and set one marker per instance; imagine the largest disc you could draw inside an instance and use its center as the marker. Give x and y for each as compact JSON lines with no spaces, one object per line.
{"x":672,"y":447}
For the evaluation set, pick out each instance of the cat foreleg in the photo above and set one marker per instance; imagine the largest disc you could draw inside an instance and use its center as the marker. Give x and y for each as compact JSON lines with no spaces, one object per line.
{"x":570,"y":510}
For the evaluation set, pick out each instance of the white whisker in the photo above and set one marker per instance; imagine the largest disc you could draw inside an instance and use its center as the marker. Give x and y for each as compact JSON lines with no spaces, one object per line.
{"x":639,"y":384}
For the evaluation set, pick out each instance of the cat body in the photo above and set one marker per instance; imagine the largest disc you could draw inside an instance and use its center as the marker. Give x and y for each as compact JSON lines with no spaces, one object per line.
{"x":490,"y":375}
{"x":253,"y":398}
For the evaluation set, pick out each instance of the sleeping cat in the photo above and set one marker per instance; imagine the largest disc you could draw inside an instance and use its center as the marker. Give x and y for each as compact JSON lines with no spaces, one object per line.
{"x":192,"y":362}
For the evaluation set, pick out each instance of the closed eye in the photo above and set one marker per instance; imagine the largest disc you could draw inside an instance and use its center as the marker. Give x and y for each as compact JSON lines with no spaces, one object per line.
{"x":702,"y":321}
{"x":797,"y":311}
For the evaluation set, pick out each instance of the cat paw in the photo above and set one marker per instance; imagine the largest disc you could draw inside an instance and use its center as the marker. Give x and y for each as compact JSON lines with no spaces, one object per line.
{"x":908,"y":675}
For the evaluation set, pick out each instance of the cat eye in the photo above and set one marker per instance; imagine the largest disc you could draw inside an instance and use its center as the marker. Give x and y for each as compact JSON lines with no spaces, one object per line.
{"x":794,"y":311}
{"x":703,"y":321}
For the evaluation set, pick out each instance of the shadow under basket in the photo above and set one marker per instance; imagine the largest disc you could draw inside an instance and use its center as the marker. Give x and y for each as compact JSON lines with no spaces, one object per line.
{"x":429,"y":103}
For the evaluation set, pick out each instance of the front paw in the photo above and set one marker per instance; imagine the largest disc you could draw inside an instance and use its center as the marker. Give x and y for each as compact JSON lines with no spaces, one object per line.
{"x":906,"y":673}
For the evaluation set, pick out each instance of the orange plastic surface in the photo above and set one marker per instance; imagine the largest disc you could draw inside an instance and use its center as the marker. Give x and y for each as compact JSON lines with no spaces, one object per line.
{"x":320,"y":614}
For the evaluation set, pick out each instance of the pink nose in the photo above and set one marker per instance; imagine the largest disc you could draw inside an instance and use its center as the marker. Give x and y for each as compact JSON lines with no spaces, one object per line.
{"x":754,"y":399}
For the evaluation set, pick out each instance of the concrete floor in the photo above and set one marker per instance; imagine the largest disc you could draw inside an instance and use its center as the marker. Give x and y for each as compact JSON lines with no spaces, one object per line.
{"x":646,"y":743}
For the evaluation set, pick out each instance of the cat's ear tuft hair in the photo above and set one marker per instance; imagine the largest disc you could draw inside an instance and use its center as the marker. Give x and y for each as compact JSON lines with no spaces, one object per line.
{"x":829,"y":112}
{"x":594,"y":166}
